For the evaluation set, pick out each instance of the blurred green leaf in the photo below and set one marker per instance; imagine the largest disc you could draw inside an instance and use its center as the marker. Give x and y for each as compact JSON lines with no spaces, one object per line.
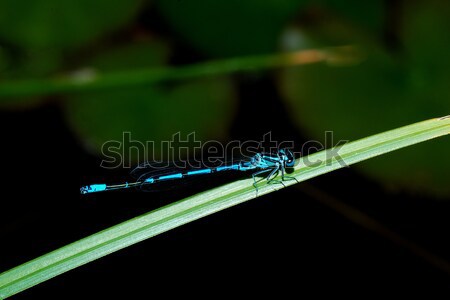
{"x":150,"y":113}
{"x":369,"y":14}
{"x":425,"y":32}
{"x":29,"y":64}
{"x":425,"y":35}
{"x":379,"y":93}
{"x":230,"y":27}
{"x":5,"y":61}
{"x":39,"y":33}
{"x":57,"y":24}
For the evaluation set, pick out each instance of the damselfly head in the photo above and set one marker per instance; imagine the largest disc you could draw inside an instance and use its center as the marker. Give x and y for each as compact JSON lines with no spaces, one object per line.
{"x":288,"y":157}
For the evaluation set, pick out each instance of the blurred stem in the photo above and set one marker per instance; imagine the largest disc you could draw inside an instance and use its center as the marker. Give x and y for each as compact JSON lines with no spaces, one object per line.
{"x":91,"y":80}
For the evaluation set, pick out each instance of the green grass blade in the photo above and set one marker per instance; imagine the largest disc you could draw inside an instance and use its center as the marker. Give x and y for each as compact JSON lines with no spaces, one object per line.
{"x":206,"y":203}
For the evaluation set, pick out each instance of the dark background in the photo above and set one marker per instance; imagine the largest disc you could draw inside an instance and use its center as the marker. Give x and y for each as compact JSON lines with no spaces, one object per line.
{"x":343,"y":233}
